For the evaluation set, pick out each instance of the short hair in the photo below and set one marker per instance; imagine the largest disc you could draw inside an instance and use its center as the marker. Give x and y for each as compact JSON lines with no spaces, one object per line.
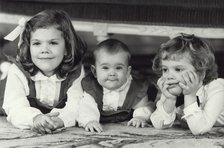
{"x":111,"y":46}
{"x":200,"y":50}
{"x":59,"y":19}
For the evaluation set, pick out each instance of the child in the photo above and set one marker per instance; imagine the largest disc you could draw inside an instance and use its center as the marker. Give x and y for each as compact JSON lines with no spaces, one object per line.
{"x":110,"y":92}
{"x":43,"y":85}
{"x":188,"y":69}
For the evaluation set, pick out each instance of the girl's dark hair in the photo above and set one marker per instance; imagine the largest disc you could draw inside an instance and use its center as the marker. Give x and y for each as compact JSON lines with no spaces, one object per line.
{"x":75,"y":47}
{"x":112,"y":46}
{"x":200,"y":51}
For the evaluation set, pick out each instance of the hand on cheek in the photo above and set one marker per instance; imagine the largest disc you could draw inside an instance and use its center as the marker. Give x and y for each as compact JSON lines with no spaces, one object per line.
{"x":191,"y":83}
{"x":163,"y":84}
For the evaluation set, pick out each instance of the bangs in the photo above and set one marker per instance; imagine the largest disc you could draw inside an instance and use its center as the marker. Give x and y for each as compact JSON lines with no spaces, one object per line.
{"x":171,"y":56}
{"x":175,"y":56}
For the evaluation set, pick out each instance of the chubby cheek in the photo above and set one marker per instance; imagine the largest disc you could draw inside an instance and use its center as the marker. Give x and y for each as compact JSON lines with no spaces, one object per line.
{"x":176,"y":91}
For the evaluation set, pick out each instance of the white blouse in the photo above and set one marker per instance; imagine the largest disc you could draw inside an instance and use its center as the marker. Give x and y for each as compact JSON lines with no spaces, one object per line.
{"x":111,"y":101}
{"x":17,"y":107}
{"x":200,"y":119}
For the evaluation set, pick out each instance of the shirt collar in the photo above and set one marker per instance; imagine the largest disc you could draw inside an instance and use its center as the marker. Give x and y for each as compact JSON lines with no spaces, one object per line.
{"x":126,"y":84}
{"x":40,"y":77}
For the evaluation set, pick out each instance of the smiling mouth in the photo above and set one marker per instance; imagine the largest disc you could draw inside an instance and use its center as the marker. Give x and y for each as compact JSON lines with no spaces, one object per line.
{"x":46,"y":58}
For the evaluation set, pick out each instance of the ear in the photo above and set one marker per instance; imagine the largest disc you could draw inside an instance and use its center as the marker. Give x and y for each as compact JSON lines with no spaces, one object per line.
{"x":93,"y":70}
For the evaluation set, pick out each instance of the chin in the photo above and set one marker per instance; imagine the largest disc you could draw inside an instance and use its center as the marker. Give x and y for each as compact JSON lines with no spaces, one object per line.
{"x":176,"y":91}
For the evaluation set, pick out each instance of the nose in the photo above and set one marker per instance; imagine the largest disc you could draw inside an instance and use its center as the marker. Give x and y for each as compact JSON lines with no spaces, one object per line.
{"x":170,"y":75}
{"x":112,"y":72}
{"x":44,"y":48}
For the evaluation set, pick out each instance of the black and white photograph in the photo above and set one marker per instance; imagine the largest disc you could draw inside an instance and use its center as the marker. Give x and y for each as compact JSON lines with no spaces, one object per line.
{"x":111,"y":73}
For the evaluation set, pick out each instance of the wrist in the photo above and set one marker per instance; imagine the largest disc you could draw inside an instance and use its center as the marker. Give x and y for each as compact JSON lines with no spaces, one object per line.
{"x":37,"y":116}
{"x":140,"y":117}
{"x":189,"y":99}
{"x":169,"y":105}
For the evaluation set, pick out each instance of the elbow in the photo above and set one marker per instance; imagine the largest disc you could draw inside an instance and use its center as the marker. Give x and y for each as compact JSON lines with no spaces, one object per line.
{"x":158,"y":124}
{"x":200,"y":130}
{"x":158,"y":127}
{"x":195,"y":133}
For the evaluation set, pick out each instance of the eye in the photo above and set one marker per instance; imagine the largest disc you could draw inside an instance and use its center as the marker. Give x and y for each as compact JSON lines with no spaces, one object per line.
{"x":35,"y":43}
{"x":164,"y":70}
{"x":119,"y":67}
{"x":178,"y":69}
{"x":105,"y":68}
{"x":53,"y":43}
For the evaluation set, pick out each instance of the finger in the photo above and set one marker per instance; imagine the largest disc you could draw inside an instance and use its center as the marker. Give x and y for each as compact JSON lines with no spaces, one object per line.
{"x":92,"y":129}
{"x":87,"y":128}
{"x":196,"y":77}
{"x":142,"y":124}
{"x":145,"y":124}
{"x":186,"y":78}
{"x":183,"y":86}
{"x":49,"y":126}
{"x":49,"y":122}
{"x":137,"y":124}
{"x":129,"y":123}
{"x":53,"y":114}
{"x":165,"y":87}
{"x":134,"y":123}
{"x":192,"y":77}
{"x":47,"y":130}
{"x":41,"y":130}
{"x":161,"y":82}
{"x":98,"y":129}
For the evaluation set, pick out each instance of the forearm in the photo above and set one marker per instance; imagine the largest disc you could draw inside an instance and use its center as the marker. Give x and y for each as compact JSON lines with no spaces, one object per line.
{"x":16,"y":104}
{"x":169,"y":105}
{"x":160,"y":118}
{"x":69,"y":113}
{"x":144,"y":108}
{"x":189,"y":99}
{"x":200,"y":121}
{"x":144,"y":112}
{"x":22,"y":118}
{"x":88,"y":110}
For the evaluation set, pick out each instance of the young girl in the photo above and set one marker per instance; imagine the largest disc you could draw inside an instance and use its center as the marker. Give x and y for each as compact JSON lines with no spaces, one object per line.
{"x":111,"y":94}
{"x":43,"y":86}
{"x":188,"y":69}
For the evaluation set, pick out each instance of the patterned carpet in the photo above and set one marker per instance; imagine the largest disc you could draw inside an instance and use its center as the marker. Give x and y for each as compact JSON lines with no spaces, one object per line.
{"x":114,"y":135}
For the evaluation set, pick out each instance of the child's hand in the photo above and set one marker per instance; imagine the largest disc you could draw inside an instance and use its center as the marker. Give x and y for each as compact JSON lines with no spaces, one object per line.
{"x":93,"y":126}
{"x":191,"y":83}
{"x":43,"y":123}
{"x":138,"y":122}
{"x":58,"y":123}
{"x":163,"y":84}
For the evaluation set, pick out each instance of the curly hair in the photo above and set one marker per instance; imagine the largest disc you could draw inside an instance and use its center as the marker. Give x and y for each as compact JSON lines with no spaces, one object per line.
{"x":74,"y":45}
{"x":200,"y":51}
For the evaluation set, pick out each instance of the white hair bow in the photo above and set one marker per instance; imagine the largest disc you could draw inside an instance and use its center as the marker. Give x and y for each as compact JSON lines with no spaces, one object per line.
{"x":17,"y":31}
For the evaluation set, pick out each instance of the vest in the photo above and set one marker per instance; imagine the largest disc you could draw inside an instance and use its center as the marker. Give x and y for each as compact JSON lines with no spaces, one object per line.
{"x":138,"y":89}
{"x":65,"y":85}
